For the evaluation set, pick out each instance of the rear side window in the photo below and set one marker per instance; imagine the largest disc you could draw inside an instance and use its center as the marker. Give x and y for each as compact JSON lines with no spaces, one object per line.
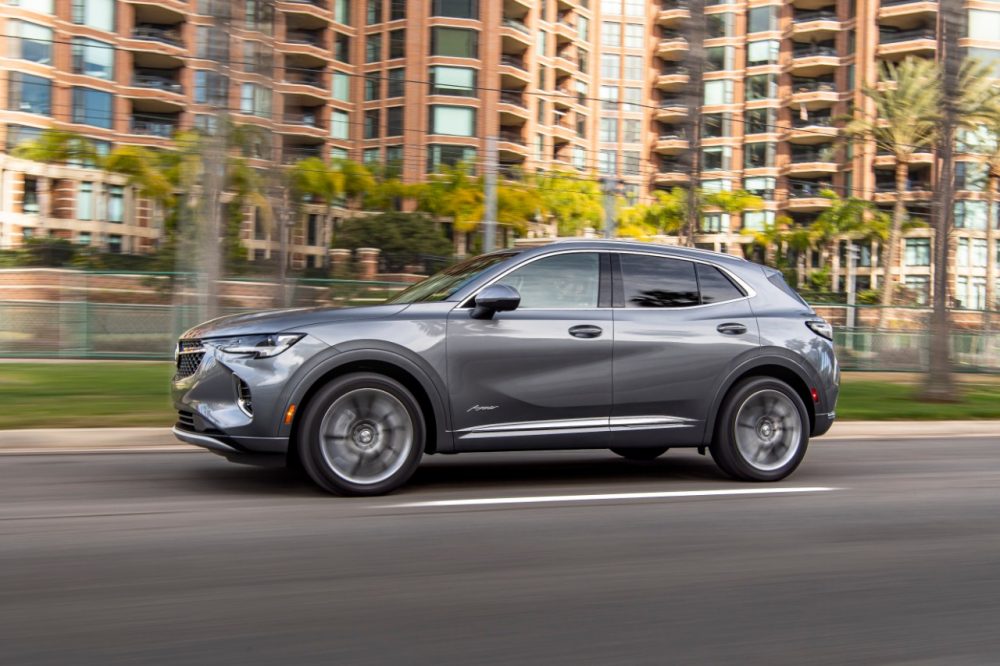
{"x":658,"y":282}
{"x":778,"y":280}
{"x":715,"y":286}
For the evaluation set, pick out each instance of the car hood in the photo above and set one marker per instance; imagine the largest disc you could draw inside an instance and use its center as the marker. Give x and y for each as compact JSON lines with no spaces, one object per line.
{"x":277,"y":321}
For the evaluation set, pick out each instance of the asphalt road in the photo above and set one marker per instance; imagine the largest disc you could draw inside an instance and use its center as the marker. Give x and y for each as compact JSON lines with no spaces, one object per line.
{"x":186,"y":559}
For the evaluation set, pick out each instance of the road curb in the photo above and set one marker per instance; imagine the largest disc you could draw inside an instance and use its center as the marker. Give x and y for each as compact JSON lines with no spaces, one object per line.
{"x":112,"y":440}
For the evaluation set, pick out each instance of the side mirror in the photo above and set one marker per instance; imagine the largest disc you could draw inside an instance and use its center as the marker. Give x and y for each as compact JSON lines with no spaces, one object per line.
{"x":495,"y":298}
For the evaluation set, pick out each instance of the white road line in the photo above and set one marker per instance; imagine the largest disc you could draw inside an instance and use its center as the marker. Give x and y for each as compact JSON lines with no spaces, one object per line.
{"x":490,"y":501}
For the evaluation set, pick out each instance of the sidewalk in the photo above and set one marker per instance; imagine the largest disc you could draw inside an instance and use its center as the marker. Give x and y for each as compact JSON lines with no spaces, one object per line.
{"x":111,"y":440}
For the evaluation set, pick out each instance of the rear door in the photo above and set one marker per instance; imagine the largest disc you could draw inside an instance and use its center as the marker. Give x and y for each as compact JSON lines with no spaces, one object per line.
{"x":679,"y":326}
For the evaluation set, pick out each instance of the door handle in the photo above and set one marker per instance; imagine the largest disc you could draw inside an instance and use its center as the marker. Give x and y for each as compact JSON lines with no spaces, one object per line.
{"x":731,"y":328}
{"x":586,"y":331}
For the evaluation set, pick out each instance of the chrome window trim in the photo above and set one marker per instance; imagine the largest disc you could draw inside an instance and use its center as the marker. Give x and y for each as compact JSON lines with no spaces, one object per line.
{"x":750,"y":291}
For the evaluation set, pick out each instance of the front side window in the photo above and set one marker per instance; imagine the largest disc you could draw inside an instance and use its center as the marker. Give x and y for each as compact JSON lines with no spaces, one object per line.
{"x":658,"y":282}
{"x":558,"y":282}
{"x":454,"y":42}
{"x":31,"y":42}
{"x":447,"y":282}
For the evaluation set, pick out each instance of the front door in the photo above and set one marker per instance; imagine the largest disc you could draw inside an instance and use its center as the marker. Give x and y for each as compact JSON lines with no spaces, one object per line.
{"x":538,"y":376}
{"x":679,"y":327}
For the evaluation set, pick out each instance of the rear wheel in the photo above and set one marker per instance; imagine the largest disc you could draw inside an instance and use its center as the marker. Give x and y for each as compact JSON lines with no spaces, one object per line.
{"x":640,"y":453}
{"x":362,"y":434}
{"x":762,"y":432}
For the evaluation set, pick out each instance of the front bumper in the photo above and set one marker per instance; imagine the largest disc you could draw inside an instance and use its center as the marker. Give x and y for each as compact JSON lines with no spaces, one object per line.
{"x":227,"y":448}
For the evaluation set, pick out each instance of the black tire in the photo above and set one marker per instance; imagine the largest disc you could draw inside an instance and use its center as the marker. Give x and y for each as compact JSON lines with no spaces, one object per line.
{"x":642,"y":454}
{"x":391,"y":433}
{"x":771,"y":438}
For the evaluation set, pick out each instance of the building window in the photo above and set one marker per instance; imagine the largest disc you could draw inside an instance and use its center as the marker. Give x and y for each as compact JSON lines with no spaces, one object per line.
{"x":918,"y":252}
{"x":453,"y":120}
{"x":30,"y":42}
{"x":984,"y":25}
{"x":762,"y":19}
{"x":633,"y":68}
{"x":209,"y":87}
{"x":454,"y":42}
{"x":757,"y":220}
{"x":456,"y":8}
{"x":93,"y":58}
{"x":632,"y":99}
{"x":446,"y":155}
{"x":371,"y":124}
{"x":611,"y":33}
{"x":762,"y":86}
{"x":631,"y":130}
{"x":759,"y":121}
{"x":579,"y":157}
{"x":397,"y":10}
{"x":342,"y":11}
{"x":970,"y":215}
{"x":93,"y":107}
{"x":114,"y":244}
{"x":29,"y":94}
{"x":341,"y":47}
{"x":582,"y":29}
{"x":397,"y":44}
{"x":919,"y":286}
{"x":394,"y":121}
{"x":762,"y":186}
{"x":460,"y":81}
{"x":635,"y":36}
{"x":609,"y":130}
{"x":341,"y":87}
{"x":719,"y":92}
{"x":373,"y":83}
{"x":630,"y":162}
{"x":255,"y":100}
{"x":611,"y":65}
{"x":258,"y":16}
{"x":609,"y":97}
{"x":40,"y":6}
{"x":29,"y":201}
{"x":635,"y":8}
{"x":85,"y":201}
{"x":606,"y":160}
{"x":371,"y":157}
{"x":396,"y":82}
{"x":715,"y":125}
{"x":373,"y":47}
{"x":338,"y":154}
{"x":713,"y":223}
{"x":971,"y":176}
{"x":763,"y":52}
{"x":393,"y":160}
{"x":373,"y":13}
{"x":340,"y":125}
{"x":611,"y":7}
{"x":719,"y":58}
{"x":116,"y":203}
{"x":257,"y":58}
{"x":716,"y":158}
{"x":719,"y":25}
{"x":98,"y":14}
{"x":759,"y":154}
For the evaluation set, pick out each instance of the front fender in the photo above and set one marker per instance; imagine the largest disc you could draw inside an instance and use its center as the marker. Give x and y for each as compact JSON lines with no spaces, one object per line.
{"x":322,"y":366}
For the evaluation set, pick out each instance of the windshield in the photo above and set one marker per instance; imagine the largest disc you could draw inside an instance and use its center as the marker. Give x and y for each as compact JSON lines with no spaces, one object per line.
{"x":439,"y":287}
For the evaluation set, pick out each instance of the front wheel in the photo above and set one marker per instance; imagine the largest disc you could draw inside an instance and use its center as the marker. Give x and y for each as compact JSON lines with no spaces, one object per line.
{"x":762,"y":431}
{"x":362,"y":434}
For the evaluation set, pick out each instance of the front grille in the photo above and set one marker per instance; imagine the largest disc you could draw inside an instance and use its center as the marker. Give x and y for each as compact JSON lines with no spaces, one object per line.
{"x":185,"y":420}
{"x":189,"y":355}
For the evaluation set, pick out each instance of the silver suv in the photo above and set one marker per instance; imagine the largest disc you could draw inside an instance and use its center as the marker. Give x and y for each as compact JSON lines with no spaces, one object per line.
{"x":578,"y":345}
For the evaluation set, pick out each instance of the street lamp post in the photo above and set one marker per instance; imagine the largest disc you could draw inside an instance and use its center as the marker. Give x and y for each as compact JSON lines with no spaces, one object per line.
{"x":611,"y":188}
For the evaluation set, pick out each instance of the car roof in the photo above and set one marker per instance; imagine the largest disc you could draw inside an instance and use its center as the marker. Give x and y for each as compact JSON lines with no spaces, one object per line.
{"x":618,"y":245}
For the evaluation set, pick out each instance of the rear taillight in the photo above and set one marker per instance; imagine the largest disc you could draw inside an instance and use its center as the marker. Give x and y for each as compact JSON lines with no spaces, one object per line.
{"x":820,"y":328}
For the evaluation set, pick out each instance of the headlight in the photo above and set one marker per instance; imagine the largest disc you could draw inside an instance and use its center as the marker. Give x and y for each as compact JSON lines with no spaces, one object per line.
{"x":255,"y":346}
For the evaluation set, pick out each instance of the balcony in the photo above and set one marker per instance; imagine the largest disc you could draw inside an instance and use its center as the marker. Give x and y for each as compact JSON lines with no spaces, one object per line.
{"x":157,"y":81}
{"x":164,"y":127}
{"x":899,"y":12}
{"x":812,"y":162}
{"x":164,"y":34}
{"x":564,"y":63}
{"x":671,"y":144}
{"x":291,"y":154}
{"x":304,"y":77}
{"x":813,"y":94}
{"x":305,"y":37}
{"x":513,"y":72}
{"x":672,"y":45}
{"x":814,"y":128}
{"x":886,"y":159}
{"x":817,"y":24}
{"x":513,"y":109}
{"x":806,"y":197}
{"x":310,"y":7}
{"x":673,"y":13}
{"x":672,"y":172}
{"x":565,"y":30}
{"x":563,"y":132}
{"x":813,"y":59}
{"x":916,"y":190}
{"x":897,"y":44}
{"x":511,"y":146}
{"x":515,"y":37}
{"x":305,"y":117}
{"x":672,"y":77}
{"x":672,"y":108}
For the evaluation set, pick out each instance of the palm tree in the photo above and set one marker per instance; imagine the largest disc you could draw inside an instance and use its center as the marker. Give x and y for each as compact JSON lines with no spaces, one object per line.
{"x":574,"y":202}
{"x":58,"y":147}
{"x":907,"y":104}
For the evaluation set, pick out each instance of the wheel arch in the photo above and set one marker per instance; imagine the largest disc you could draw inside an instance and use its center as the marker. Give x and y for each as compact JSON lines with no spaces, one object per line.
{"x":380,"y":361}
{"x":775,"y":366}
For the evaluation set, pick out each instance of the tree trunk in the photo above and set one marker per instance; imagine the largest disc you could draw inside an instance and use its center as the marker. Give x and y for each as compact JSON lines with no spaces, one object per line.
{"x":992,"y":218}
{"x":895,"y":233}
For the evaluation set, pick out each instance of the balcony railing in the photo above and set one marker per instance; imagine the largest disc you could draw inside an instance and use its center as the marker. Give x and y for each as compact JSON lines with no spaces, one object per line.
{"x":161,"y":128}
{"x":315,"y":3}
{"x":512,"y":137}
{"x":300,"y":37}
{"x":812,"y":121}
{"x":803,"y":156}
{"x":814,"y":50}
{"x":515,"y":98}
{"x":517,"y":24}
{"x":306,"y":118}
{"x":673,"y":70}
{"x":804,"y":16}
{"x":674,"y":4}
{"x":892,"y":3}
{"x":670,"y":101}
{"x":513,"y":61}
{"x":807,"y":190}
{"x":911,"y":186}
{"x":304,"y":77}
{"x":291,"y":156}
{"x":141,"y":80}
{"x":905,"y":35}
{"x":671,"y":166}
{"x":671,"y":35}
{"x":158,"y":33}
{"x":813,"y":86}
{"x":673,"y":136}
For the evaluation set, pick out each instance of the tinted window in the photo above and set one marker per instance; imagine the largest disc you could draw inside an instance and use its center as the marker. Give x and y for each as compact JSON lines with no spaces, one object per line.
{"x":715,"y":286}
{"x":658,"y":282}
{"x":561,"y":281}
